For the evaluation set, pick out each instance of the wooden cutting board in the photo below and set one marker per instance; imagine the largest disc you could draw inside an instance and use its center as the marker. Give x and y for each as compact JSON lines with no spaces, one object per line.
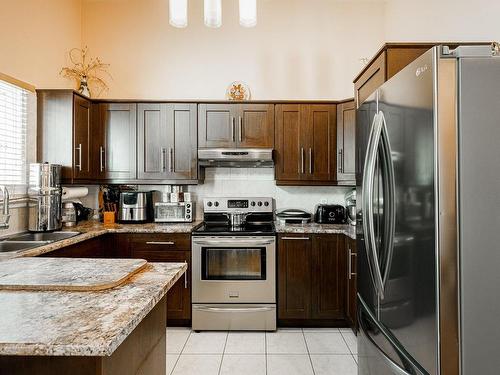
{"x":70,"y":274}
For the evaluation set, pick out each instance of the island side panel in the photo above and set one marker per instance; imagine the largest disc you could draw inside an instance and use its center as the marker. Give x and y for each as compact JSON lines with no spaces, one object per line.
{"x":142,"y":352}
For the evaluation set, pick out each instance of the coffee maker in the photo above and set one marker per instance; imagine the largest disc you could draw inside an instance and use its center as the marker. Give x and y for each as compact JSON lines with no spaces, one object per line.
{"x":44,"y":197}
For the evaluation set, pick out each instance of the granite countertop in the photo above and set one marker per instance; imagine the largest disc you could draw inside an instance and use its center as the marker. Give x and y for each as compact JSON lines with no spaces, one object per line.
{"x":347,"y":229}
{"x":59,"y":323}
{"x":90,"y":229}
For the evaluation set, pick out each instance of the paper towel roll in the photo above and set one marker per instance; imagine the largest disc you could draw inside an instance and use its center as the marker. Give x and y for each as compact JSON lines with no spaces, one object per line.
{"x":74,"y":192}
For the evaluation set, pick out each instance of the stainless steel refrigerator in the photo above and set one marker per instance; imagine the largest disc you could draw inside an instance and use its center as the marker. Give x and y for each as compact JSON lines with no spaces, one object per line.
{"x":428,"y":217}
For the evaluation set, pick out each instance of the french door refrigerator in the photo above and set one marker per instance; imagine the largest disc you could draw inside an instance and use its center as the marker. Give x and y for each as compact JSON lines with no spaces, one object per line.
{"x":428,"y":222}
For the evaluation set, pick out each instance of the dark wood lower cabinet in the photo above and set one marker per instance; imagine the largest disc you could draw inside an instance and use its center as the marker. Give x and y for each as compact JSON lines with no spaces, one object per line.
{"x":172,"y":247}
{"x":352,"y":287}
{"x":311,"y":280}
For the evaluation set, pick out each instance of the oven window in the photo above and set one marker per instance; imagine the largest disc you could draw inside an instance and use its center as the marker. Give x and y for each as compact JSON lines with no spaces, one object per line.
{"x":222,"y":263}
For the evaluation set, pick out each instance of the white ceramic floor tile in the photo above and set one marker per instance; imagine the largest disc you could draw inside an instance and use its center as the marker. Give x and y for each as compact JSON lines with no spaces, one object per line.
{"x":176,"y":339}
{"x":349,"y":330}
{"x":246,"y":343}
{"x":283,"y":342}
{"x":355,"y":358}
{"x":334,"y":364}
{"x":247,"y":364}
{"x":289,"y":364}
{"x":320,"y":330}
{"x":326,"y":343}
{"x":287,"y":329}
{"x":171,"y":361}
{"x":198,"y":364}
{"x":352,"y":341}
{"x":205,"y":343}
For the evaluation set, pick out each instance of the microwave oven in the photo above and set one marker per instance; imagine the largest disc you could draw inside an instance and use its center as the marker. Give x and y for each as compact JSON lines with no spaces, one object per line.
{"x":174,"y":212}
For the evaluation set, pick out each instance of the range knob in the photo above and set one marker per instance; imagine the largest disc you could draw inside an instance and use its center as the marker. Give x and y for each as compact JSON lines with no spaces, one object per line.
{"x":216,"y":204}
{"x":259,"y":204}
{"x":209,"y":204}
{"x":252,"y":204}
{"x":266,"y":204}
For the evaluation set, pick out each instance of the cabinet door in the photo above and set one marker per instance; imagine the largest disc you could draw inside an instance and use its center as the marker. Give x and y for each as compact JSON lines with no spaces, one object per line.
{"x":182,"y":150}
{"x":82,"y":139}
{"x":351,"y":303}
{"x":320,"y":143}
{"x":346,"y":146}
{"x":371,"y":80}
{"x":256,"y":126}
{"x":328,"y":277}
{"x":290,"y":153}
{"x":294,"y":277}
{"x":217,"y":125}
{"x":152,"y":141}
{"x":118,"y":122}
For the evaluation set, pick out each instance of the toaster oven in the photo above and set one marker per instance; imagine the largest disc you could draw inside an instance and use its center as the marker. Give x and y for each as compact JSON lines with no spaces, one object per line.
{"x":174,"y":212}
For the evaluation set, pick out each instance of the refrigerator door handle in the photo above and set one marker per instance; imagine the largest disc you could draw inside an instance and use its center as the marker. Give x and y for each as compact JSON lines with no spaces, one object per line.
{"x":367,"y":202}
{"x":390,"y":223}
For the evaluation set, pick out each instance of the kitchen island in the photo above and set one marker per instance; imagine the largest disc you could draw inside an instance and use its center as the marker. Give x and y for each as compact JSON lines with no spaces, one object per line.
{"x":114,"y":331}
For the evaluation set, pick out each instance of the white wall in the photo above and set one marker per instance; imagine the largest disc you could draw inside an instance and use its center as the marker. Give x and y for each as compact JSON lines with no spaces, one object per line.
{"x":300,"y":49}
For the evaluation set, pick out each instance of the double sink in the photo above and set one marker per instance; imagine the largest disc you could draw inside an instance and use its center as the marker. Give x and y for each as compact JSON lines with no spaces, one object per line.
{"x":29,"y":240}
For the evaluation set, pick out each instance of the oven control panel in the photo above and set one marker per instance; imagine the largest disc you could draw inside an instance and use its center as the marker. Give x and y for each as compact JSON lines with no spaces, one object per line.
{"x":227,"y":205}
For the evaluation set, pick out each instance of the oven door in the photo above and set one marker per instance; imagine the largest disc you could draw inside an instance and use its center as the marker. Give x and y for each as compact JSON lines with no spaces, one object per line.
{"x":238,"y":269}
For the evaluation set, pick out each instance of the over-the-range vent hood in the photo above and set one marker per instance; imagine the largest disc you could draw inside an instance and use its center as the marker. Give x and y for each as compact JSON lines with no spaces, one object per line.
{"x":236,"y":157}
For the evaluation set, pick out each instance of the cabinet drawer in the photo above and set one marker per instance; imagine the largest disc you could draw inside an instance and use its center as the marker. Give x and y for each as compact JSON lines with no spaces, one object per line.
{"x":160,"y":242}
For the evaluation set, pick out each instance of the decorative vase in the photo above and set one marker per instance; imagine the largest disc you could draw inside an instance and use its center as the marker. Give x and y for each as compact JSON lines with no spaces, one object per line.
{"x":84,"y":88}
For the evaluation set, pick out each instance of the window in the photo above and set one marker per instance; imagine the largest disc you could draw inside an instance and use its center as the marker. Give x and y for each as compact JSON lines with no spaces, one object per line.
{"x":13,"y":129}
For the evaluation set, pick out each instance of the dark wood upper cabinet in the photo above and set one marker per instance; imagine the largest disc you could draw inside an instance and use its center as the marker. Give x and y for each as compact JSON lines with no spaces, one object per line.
{"x":305,"y":144}
{"x":255,"y":126}
{"x":167,"y":143}
{"x":328,"y":277}
{"x":346,"y":145}
{"x":83,"y":167}
{"x":236,"y":125}
{"x":294,"y":277}
{"x":116,"y":148}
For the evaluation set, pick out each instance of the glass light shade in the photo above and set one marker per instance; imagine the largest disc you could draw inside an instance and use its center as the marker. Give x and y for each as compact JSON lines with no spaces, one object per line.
{"x":178,"y":13}
{"x":213,"y":13}
{"x":248,"y":13}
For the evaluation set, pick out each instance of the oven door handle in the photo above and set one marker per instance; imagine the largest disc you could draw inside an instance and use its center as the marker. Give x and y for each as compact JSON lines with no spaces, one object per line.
{"x":234,"y":243}
{"x":232,"y":309}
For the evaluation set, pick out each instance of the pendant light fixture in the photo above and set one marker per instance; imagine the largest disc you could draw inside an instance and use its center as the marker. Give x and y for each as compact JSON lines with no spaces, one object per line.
{"x":178,"y":13}
{"x":213,"y":13}
{"x":248,"y":13}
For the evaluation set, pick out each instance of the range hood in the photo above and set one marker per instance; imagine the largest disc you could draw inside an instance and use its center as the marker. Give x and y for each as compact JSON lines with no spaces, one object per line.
{"x":236,"y":157}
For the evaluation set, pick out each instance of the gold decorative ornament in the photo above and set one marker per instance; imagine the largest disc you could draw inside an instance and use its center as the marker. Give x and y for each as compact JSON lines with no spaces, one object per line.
{"x":238,"y":91}
{"x":86,"y":71}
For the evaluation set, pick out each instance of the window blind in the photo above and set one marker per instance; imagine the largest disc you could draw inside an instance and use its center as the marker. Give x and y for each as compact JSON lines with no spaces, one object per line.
{"x":13,"y":128}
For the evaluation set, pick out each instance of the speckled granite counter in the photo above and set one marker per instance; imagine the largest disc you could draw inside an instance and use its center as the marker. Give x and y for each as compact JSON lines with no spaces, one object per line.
{"x":348,"y":230}
{"x":90,"y":229}
{"x":81,"y":323}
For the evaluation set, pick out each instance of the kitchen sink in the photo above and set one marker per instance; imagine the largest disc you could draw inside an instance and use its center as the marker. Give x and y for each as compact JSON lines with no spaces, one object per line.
{"x":7,"y":246}
{"x":43,"y":236}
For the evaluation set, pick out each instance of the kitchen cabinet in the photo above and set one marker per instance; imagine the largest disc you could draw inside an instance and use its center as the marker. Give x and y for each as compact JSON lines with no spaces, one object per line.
{"x":167,"y":141}
{"x":236,"y":125}
{"x":65,"y":133}
{"x":305,"y":144}
{"x":97,"y":247}
{"x":346,"y":143}
{"x":351,"y":270}
{"x":115,"y":141}
{"x":311,"y":280}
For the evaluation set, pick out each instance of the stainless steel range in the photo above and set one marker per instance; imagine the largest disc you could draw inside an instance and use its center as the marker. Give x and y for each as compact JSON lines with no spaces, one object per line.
{"x":234,"y":265}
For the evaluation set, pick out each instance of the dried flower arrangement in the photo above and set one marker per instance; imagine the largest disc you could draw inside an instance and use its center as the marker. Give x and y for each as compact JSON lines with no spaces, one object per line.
{"x":86,"y":72}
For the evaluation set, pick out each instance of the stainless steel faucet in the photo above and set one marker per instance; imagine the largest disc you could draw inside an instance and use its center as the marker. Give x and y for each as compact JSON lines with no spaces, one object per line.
{"x":5,"y":216}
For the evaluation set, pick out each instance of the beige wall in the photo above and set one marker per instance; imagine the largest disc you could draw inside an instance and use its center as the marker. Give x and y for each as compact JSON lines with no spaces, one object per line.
{"x":300,"y":49}
{"x":36,"y":36}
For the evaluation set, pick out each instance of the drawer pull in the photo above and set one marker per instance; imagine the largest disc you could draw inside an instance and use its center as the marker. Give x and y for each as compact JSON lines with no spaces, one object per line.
{"x":160,"y":243}
{"x":295,"y":238}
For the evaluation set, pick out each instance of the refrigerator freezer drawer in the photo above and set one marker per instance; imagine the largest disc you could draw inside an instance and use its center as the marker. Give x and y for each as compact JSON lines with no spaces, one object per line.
{"x":234,"y":317}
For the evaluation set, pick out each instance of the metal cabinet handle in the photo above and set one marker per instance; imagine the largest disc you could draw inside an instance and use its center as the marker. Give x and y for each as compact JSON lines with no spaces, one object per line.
{"x":233,"y":309}
{"x":232,"y":129}
{"x":185,"y":277}
{"x":163,"y":162}
{"x":160,"y":243}
{"x":240,"y":128}
{"x":79,"y":149}
{"x":295,"y":238}
{"x":349,"y":262}
{"x":302,"y":157}
{"x":101,"y":158}
{"x":171,"y":159}
{"x":341,"y":161}
{"x":310,"y":161}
